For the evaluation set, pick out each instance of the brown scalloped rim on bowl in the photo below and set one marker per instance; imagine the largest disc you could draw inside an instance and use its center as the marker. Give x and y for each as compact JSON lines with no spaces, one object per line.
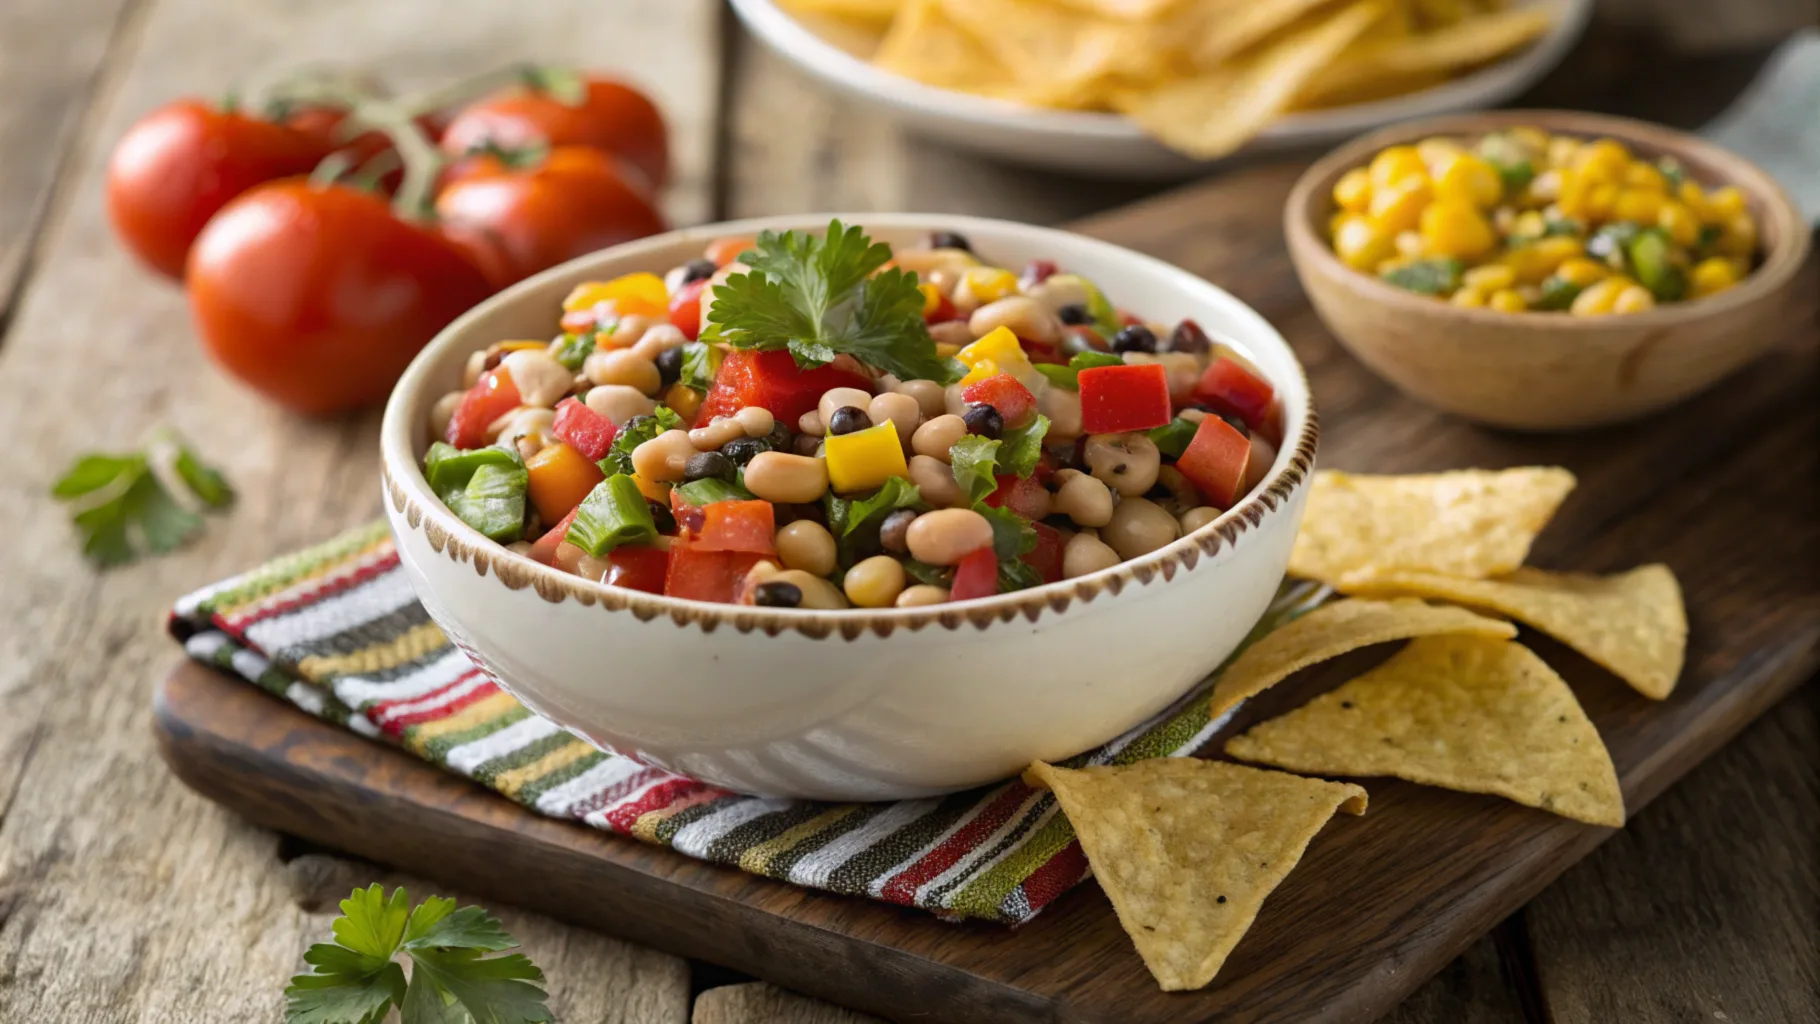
{"x":404,"y":440}
{"x":1549,"y":370}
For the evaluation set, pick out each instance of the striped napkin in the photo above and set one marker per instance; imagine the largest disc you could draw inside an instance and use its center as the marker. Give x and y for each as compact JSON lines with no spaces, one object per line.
{"x":336,"y":631}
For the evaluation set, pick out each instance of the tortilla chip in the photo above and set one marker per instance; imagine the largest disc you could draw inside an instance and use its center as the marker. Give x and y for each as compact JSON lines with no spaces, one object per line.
{"x":1214,"y":33}
{"x":1213,"y":113}
{"x":1187,"y":849}
{"x":1634,"y":624}
{"x":1132,"y":10}
{"x":925,"y":45}
{"x":1055,"y":51}
{"x":1458,"y":712}
{"x":1469,"y":523}
{"x":872,"y":12}
{"x":1467,"y":43}
{"x":1333,"y":629}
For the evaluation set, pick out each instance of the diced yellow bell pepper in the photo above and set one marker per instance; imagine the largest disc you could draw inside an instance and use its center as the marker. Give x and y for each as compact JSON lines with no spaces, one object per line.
{"x":988,"y":284}
{"x":932,"y":297}
{"x":1000,"y":349}
{"x":642,"y":293}
{"x":864,"y":459}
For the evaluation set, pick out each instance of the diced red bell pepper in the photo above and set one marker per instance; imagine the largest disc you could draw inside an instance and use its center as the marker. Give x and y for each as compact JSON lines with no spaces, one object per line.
{"x":689,"y":517}
{"x":1038,"y":271}
{"x":1046,"y":557}
{"x":749,"y":526}
{"x":1023,"y":495}
{"x":975,"y":576}
{"x":583,"y":429}
{"x":942,"y":312}
{"x":1115,"y":399}
{"x":685,"y":308}
{"x":1002,"y":391}
{"x":637,"y":567}
{"x":1229,"y":388}
{"x":544,"y":550}
{"x":491,"y":397}
{"x":706,"y":575}
{"x":1215,"y":460}
{"x":772,"y":380}
{"x":1041,"y":353}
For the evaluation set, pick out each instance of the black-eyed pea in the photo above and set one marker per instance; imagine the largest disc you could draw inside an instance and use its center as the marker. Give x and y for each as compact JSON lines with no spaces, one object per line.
{"x":1138,"y":527}
{"x":807,"y":545}
{"x":875,"y":582}
{"x":902,"y":410}
{"x":951,"y":333}
{"x":756,"y":420}
{"x":661,"y":459}
{"x":1086,"y":553}
{"x":1022,"y":315}
{"x":1083,"y":498}
{"x":935,"y":438}
{"x":1128,"y":463}
{"x":1063,"y":407}
{"x":1263,"y":454}
{"x":628,"y":330}
{"x":836,"y":398}
{"x":810,"y":425}
{"x":930,"y":397}
{"x":1182,"y":495}
{"x":718,"y":432}
{"x":473,"y":368}
{"x":660,"y":338}
{"x":788,"y":479}
{"x":541,"y":380}
{"x":947,"y":535}
{"x":817,"y":592}
{"x":523,"y":420}
{"x":1183,"y":370}
{"x":1194,"y":416}
{"x":934,"y":479}
{"x":442,"y":412}
{"x":520,"y":547}
{"x":622,"y":366}
{"x":618,"y":403}
{"x":922,"y":595}
{"x":528,"y":445}
{"x":1058,"y":292}
{"x":1195,"y":518}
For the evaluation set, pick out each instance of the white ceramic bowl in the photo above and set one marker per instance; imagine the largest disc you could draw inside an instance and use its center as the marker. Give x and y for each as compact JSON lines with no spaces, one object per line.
{"x":1111,"y":145}
{"x":847,"y":705}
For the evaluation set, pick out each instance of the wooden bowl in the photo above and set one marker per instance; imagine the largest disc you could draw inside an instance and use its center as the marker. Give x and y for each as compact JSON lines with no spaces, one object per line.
{"x":1550,"y":370}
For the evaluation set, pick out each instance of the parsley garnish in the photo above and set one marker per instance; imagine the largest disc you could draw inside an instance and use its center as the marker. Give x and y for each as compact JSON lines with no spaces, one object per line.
{"x":572,"y":350}
{"x":700,"y":363}
{"x":974,"y":462}
{"x":354,"y":980}
{"x":126,"y":505}
{"x":1012,"y":534}
{"x":1427,"y":277}
{"x":821,"y":297}
{"x":637,"y":431}
{"x":1023,"y":447}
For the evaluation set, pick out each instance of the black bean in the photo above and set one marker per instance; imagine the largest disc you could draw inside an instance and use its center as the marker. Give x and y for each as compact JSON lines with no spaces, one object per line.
{"x":710,"y":465}
{"x":984,"y":420}
{"x":1074,"y":313}
{"x":1188,"y":337}
{"x":780,"y":436}
{"x":662,"y":516}
{"x":1136,"y":338}
{"x":894,"y":532}
{"x":743,"y":449}
{"x":698,"y":270}
{"x":777,"y":594}
{"x":847,"y":419}
{"x":669,"y":366}
{"x":949,"y":240}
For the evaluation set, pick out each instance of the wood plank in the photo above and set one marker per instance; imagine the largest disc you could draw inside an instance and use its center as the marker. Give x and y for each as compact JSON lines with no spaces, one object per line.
{"x":759,"y":1003}
{"x":52,"y":62}
{"x":92,"y":827}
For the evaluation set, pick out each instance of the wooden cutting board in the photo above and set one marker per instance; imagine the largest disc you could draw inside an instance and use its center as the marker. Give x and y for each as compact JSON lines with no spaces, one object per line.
{"x":1725,"y":489}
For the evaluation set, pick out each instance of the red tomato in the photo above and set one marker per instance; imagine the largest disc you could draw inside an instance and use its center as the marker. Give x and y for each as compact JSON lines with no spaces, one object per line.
{"x":1022,"y":495}
{"x":1046,"y":557}
{"x":1215,"y":462}
{"x":706,"y":575}
{"x":774,"y":381}
{"x":1014,"y":402}
{"x":544,"y":550}
{"x":637,"y":567}
{"x":975,"y":576}
{"x":1115,"y":399}
{"x":1230,"y":388}
{"x":178,"y":165}
{"x":748,"y":526}
{"x":319,"y":297}
{"x":612,"y":117}
{"x":583,"y":429}
{"x":685,"y":308}
{"x":491,"y":397}
{"x":516,"y":222}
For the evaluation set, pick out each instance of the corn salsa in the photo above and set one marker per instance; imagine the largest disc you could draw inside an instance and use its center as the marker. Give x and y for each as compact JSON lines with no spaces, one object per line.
{"x":1523,"y":220}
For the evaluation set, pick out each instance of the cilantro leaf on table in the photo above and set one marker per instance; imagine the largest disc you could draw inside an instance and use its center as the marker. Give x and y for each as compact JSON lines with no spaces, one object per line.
{"x":355,"y":979}
{"x":140,"y":502}
{"x":819,"y":297}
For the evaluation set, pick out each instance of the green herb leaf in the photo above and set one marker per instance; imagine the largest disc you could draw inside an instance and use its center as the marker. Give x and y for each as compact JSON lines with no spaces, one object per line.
{"x":371,"y":922}
{"x":974,"y":462}
{"x":1172,"y":438}
{"x":932,"y":575}
{"x":1022,"y":447}
{"x":711,"y":490}
{"x":1516,"y":174}
{"x":1427,"y":277}
{"x":492,"y":989}
{"x":342,"y":990}
{"x":1070,"y":376}
{"x":1557,"y":293}
{"x":1672,"y":171}
{"x":1012,"y":534}
{"x":846,"y":516}
{"x":146,"y":501}
{"x":572,"y":350}
{"x":819,"y":297}
{"x":700,"y":362}
{"x":1017,"y":574}
{"x":635,"y":432}
{"x":436,"y":922}
{"x":205,"y":482}
{"x":1650,"y":253}
{"x":613,"y":513}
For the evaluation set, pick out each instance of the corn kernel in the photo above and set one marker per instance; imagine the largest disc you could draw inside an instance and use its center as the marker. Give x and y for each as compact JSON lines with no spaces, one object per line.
{"x":1394,"y":164}
{"x":1561,"y":150}
{"x":1679,"y":221}
{"x":1602,"y":160}
{"x":1601,"y":197}
{"x":1410,"y":244}
{"x":1711,"y":276}
{"x":1545,"y":187}
{"x":1575,"y":188}
{"x":1538,"y":259}
{"x":1398,"y":207}
{"x":989,"y":284}
{"x":1532,"y":138}
{"x":864,"y":459}
{"x":1598,"y":298}
{"x":1690,"y":195}
{"x":1637,"y":206}
{"x":1490,"y":278}
{"x":1529,"y":224}
{"x":1436,"y":152}
{"x":1452,"y":227}
{"x":1469,"y":179}
{"x":1470,"y":298}
{"x":1633,"y":299}
{"x":1725,"y":202}
{"x":1359,"y":244}
{"x":1737,"y":235}
{"x":1353,"y":191}
{"x":1582,"y":271}
{"x":1504,"y":300}
{"x":1646,"y":177}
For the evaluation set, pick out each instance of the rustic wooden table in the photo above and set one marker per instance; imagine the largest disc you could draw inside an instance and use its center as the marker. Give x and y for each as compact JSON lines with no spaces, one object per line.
{"x":124,"y":897}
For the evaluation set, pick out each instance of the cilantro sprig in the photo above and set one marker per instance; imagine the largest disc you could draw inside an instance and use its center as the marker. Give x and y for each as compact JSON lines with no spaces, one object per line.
{"x":140,"y":502}
{"x":819,"y":297}
{"x":357,"y":980}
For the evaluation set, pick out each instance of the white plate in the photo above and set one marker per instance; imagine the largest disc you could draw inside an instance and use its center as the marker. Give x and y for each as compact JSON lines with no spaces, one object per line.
{"x":1110,"y":145}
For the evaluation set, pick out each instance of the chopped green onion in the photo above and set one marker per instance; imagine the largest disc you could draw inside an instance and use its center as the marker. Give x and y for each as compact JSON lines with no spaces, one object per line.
{"x":1558,"y":293}
{"x":1172,"y":438}
{"x":1070,"y":376}
{"x":449,"y":468}
{"x":1651,"y":260}
{"x":613,"y":514}
{"x":711,"y":490}
{"x":493,"y":502}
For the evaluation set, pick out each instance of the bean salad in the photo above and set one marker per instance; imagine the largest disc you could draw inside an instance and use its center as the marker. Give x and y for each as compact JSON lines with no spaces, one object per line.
{"x":813,"y":420}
